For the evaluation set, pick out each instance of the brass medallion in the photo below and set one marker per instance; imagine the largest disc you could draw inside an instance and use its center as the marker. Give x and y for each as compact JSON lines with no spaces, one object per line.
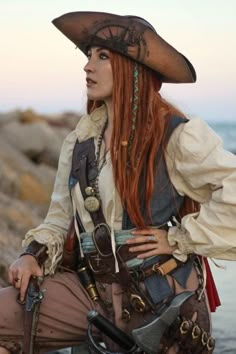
{"x":89,"y":191}
{"x":91,"y":204}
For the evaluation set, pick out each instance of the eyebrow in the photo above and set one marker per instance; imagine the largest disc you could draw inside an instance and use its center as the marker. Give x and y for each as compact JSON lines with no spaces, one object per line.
{"x":98,"y":49}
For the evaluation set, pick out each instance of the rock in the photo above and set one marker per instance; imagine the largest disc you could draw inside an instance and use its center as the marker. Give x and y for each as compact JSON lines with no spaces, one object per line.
{"x":39,"y":141}
{"x":29,"y":116}
{"x":23,"y":179}
{"x":17,"y":218}
{"x":8,"y":117}
{"x":29,"y":150}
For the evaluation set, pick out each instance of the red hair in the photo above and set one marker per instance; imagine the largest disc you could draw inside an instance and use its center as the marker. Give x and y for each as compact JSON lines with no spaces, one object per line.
{"x":152,"y":118}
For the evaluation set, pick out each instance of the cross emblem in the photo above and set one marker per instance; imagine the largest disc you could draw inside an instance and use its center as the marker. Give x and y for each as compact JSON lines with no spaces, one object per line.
{"x":97,"y":259}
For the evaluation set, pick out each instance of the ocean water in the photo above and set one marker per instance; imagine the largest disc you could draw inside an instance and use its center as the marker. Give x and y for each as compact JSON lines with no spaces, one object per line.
{"x":224,"y":319}
{"x":227,"y":131}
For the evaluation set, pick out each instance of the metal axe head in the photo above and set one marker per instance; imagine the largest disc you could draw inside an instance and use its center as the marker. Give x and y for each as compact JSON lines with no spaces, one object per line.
{"x":148,"y":337}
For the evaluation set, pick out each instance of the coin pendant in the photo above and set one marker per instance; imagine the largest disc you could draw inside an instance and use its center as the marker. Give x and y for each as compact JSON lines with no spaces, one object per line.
{"x":91,"y":204}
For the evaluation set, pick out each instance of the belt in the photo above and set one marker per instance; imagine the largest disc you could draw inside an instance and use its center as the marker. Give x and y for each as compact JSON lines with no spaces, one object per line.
{"x":102,"y":265}
{"x":89,"y":247}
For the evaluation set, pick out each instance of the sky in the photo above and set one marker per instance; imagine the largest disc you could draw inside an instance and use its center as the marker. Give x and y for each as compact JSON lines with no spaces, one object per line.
{"x":41,"y":69}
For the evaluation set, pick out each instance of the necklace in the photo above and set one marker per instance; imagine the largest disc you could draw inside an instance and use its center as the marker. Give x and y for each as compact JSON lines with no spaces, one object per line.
{"x":99,"y":145}
{"x":93,"y":201}
{"x":98,"y":159}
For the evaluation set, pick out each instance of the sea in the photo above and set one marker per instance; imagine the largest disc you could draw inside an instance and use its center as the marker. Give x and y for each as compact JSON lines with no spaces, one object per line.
{"x":224,"y":319}
{"x":227,"y":131}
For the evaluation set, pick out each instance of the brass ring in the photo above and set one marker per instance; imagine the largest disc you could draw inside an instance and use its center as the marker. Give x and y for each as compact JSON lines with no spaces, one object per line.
{"x":204,"y":338}
{"x":210,"y":343}
{"x":196,"y":332}
{"x":17,"y":280}
{"x":185,"y":326}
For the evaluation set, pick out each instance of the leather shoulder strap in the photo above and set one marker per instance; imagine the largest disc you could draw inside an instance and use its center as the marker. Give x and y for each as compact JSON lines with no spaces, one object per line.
{"x":84,"y":170}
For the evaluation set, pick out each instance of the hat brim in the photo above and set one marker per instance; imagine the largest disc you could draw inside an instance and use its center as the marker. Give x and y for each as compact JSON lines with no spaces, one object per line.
{"x":130,"y":36}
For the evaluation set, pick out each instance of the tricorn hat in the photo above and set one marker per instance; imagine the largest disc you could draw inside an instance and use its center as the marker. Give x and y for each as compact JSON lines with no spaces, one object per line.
{"x":131,"y":36}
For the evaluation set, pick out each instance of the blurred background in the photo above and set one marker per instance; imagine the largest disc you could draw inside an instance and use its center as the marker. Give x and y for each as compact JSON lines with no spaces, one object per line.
{"x":42,"y":96}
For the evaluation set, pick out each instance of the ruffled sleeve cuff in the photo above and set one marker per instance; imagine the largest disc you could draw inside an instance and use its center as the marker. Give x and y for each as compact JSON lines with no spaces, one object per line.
{"x":54,"y":245}
{"x":177,"y":237}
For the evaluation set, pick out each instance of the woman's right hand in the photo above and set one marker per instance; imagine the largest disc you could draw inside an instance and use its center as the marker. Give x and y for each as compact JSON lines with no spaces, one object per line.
{"x":20,"y":272}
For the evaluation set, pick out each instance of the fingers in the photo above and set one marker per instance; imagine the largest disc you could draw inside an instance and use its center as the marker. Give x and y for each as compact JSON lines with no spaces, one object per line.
{"x":20,"y":272}
{"x":17,"y":281}
{"x":24,"y":285}
{"x":149,"y":242}
{"x":147,"y":254}
{"x":148,"y":231}
{"x":142,"y":239}
{"x":143,"y":247}
{"x":143,"y":231}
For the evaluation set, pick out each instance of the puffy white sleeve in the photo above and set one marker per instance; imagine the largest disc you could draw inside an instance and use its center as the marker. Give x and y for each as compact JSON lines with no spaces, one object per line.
{"x":53,"y":230}
{"x":200,"y":168}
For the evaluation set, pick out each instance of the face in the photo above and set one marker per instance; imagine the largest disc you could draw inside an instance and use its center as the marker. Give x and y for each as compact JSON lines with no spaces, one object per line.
{"x":99,"y":74}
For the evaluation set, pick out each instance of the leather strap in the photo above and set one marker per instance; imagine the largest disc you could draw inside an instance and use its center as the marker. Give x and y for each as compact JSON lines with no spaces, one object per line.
{"x":36,"y":250}
{"x":85,"y":170}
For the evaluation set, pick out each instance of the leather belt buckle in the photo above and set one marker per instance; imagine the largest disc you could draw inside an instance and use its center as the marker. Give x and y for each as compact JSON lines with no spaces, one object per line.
{"x":102,"y":240}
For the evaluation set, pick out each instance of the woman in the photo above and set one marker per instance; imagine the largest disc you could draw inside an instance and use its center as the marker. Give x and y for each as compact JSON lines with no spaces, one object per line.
{"x":137,"y":172}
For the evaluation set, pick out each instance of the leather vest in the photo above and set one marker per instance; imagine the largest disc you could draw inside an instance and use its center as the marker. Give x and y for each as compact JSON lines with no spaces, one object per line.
{"x":165,"y":203}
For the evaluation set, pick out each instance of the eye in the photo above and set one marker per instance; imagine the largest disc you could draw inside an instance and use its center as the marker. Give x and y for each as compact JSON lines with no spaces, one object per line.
{"x":104,"y":55}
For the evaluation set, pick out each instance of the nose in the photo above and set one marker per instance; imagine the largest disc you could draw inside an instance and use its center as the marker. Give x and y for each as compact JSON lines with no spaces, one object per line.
{"x":89,"y":67}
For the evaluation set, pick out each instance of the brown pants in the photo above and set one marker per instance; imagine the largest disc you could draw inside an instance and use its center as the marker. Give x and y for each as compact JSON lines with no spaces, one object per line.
{"x":62,"y":320}
{"x":63,"y":313}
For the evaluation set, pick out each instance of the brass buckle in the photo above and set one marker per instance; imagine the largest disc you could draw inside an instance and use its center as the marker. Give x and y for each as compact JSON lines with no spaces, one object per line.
{"x":125,"y":315}
{"x":137,"y":303}
{"x":155,"y":268}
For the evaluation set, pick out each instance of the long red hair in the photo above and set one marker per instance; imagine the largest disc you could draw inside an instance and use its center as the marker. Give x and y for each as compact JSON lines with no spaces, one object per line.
{"x":152,"y":118}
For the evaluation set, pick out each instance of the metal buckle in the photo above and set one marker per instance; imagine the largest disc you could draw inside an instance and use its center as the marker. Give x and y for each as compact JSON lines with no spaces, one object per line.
{"x":107,"y":233}
{"x":155,"y":267}
{"x":137,"y":303}
{"x":125,"y":316}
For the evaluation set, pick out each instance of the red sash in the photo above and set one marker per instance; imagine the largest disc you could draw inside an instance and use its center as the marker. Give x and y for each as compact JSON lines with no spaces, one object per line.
{"x":212,"y":294}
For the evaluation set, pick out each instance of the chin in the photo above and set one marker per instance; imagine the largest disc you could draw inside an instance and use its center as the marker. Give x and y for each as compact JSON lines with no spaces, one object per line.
{"x":95,"y":98}
{"x":92,"y":97}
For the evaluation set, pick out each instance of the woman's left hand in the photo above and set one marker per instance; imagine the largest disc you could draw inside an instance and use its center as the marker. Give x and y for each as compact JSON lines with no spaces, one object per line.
{"x":150,"y":242}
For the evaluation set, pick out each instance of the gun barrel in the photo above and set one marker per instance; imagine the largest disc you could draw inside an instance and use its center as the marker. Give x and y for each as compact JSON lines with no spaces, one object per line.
{"x":118,"y":336}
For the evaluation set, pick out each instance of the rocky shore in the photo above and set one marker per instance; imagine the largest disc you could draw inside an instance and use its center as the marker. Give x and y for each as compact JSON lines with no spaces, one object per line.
{"x":30,"y":144}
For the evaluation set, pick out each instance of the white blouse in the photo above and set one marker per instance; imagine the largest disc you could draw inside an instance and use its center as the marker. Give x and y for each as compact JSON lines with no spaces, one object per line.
{"x":198,"y":166}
